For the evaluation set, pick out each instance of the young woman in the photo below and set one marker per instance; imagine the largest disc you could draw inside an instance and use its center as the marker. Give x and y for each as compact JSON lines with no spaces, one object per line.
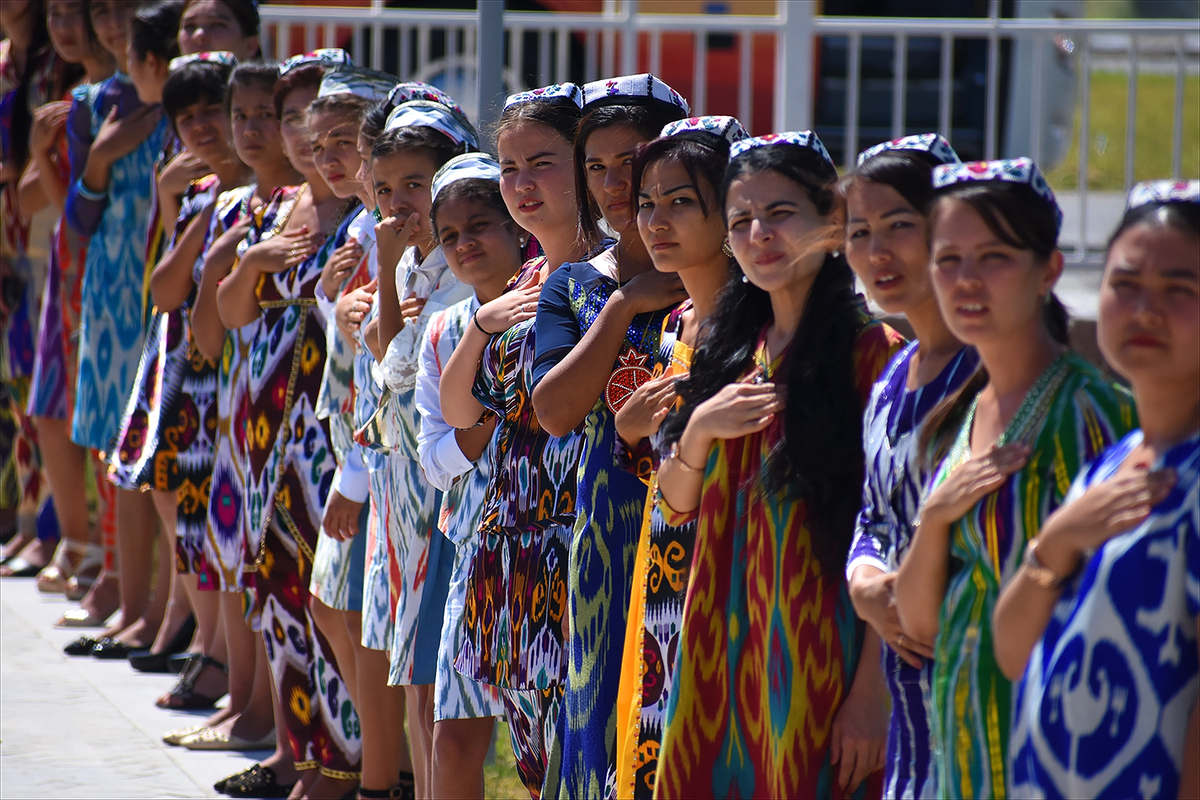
{"x":1007,"y":445}
{"x":483,"y":247}
{"x":887,"y":247}
{"x":677,"y":180}
{"x":81,"y":553}
{"x":419,"y":137}
{"x":1109,"y":591}
{"x":518,"y":573}
{"x":291,"y":463}
{"x":765,"y":454}
{"x":220,"y":25}
{"x":597,"y":322}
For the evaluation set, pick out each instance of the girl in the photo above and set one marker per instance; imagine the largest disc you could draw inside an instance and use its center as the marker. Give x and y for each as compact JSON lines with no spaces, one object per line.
{"x":483,"y":248}
{"x":764,"y":453}
{"x":518,"y":573}
{"x":1111,"y":585}
{"x":676,"y":180}
{"x":590,"y":352}
{"x":1008,"y":443}
{"x":887,"y":247}
{"x":220,"y":25}
{"x":418,"y":139}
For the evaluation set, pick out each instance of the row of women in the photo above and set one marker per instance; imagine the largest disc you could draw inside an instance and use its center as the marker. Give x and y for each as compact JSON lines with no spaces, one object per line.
{"x":598,"y":436}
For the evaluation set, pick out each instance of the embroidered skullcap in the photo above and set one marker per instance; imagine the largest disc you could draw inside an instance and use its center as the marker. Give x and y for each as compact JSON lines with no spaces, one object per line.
{"x":358,"y":81}
{"x":327,"y":56}
{"x":808,"y":140}
{"x":1011,"y":170}
{"x":1163,"y":191}
{"x":930,"y":145}
{"x":221,"y":57}
{"x":703,"y":129}
{"x":418,"y":90}
{"x":468,"y":165}
{"x":554,"y":93}
{"x":632,"y":89}
{"x":424,"y":114}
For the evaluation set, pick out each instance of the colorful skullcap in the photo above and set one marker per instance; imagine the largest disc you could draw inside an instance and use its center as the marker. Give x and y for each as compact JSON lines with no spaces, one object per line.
{"x":930,"y":145}
{"x":554,"y":93}
{"x":221,"y":57}
{"x":1163,"y":191}
{"x":1012,"y":170}
{"x":424,"y":114}
{"x":727,"y":128}
{"x":805,"y":139}
{"x":417,"y":90}
{"x":357,"y":81}
{"x":632,"y":89}
{"x":468,"y":165}
{"x":326,"y":57}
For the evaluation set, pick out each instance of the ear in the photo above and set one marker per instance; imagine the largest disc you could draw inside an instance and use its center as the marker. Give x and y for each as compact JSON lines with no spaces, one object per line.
{"x":1053,"y":271}
{"x":253,"y":48}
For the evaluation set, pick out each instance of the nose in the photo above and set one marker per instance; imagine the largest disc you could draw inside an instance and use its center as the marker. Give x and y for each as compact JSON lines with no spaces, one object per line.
{"x":760,"y":231}
{"x":614,"y":181}
{"x":878,"y":249}
{"x":523,"y":181}
{"x":658,"y":219}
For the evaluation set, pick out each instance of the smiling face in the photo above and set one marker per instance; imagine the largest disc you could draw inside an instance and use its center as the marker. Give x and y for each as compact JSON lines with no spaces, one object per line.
{"x":205,"y":131}
{"x":988,"y":291}
{"x":480,"y":243}
{"x":608,"y":164}
{"x":110,"y":20}
{"x":1149,"y":327}
{"x":402,"y":188}
{"x":333,"y":136}
{"x":208,"y":26}
{"x":886,"y":246}
{"x":775,"y":230}
{"x":68,"y":30}
{"x":536,"y":178}
{"x":672,"y":221}
{"x":256,"y":136}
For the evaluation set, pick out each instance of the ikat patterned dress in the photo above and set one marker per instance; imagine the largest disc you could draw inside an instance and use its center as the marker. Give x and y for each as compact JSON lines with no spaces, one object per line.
{"x":896,"y":477}
{"x":1103,"y":708}
{"x":1070,"y":415}
{"x":607,"y":526}
{"x":769,"y":642}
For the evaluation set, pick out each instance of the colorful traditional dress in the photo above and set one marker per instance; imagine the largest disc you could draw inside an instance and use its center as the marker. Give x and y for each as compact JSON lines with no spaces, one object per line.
{"x":463,"y":484}
{"x":896,"y":477}
{"x":516,"y":589}
{"x":1068,"y":417}
{"x":608,"y":521}
{"x":115,"y":222}
{"x":770,"y":642}
{"x":1103,"y":707}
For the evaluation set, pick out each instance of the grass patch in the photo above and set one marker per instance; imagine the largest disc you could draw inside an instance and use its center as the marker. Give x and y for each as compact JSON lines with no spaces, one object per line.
{"x":500,"y":778}
{"x":1154,"y":129}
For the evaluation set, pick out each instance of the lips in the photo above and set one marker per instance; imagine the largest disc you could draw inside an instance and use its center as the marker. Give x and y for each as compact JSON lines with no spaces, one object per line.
{"x":470,"y":258}
{"x":1145,"y":340}
{"x":767,"y":259}
{"x":970,"y":309}
{"x":888,"y":280}
{"x":658,"y":247}
{"x":528,"y":206}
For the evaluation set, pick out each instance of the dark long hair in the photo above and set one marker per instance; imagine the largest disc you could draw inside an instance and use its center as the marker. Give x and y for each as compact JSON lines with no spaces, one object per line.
{"x":22,"y":114}
{"x":193,"y":83}
{"x":154,"y":28}
{"x":1183,"y":217}
{"x":911,"y":175}
{"x":819,"y":459}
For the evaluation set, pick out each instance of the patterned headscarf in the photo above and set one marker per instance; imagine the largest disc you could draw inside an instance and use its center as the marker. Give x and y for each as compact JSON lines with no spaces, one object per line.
{"x":1163,"y":191}
{"x":424,"y":114}
{"x":930,"y":145}
{"x":358,"y":81}
{"x":805,"y":139}
{"x":1012,"y":170}
{"x":221,"y":57}
{"x":328,"y":56}
{"x":468,"y":165}
{"x":626,"y":89}
{"x":554,"y":93}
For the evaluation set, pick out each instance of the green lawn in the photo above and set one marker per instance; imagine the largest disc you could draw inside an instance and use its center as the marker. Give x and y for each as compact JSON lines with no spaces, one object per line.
{"x":500,"y":778}
{"x":1155,"y":126}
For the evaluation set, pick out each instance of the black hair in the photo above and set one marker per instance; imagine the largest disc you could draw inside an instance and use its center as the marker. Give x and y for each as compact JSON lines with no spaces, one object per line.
{"x":906,"y":171}
{"x":702,"y":158}
{"x":154,"y":28}
{"x":306,"y":76}
{"x":374,"y":119}
{"x":479,"y":190}
{"x":260,"y":75}
{"x":438,"y":146}
{"x":819,"y":459}
{"x":244,"y":11}
{"x":647,"y":119}
{"x":560,"y":116}
{"x":1183,"y":217}
{"x":22,"y":114}
{"x":193,"y":83}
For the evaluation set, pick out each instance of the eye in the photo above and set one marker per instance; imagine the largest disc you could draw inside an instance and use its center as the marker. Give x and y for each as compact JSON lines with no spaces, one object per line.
{"x":382,"y":190}
{"x":1182,"y":290}
{"x":901,"y":224}
{"x":739,"y":224}
{"x":646,"y":205}
{"x":595,"y":167}
{"x":994,"y":255}
{"x":780,"y":213}
{"x":413,"y":185}
{"x":449,"y":238}
{"x":681,"y":201}
{"x":858,"y":233}
{"x":507,"y":170}
{"x":947,"y":261}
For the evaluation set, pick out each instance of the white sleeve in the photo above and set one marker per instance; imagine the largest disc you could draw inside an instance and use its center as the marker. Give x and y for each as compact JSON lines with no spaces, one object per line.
{"x":352,"y":479}
{"x":437,"y":447}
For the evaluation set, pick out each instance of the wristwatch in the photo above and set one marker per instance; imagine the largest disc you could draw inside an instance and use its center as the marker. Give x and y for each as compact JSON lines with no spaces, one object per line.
{"x":1038,"y":572}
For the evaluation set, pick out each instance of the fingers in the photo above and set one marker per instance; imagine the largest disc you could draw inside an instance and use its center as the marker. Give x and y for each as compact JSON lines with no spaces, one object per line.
{"x":846,"y":766}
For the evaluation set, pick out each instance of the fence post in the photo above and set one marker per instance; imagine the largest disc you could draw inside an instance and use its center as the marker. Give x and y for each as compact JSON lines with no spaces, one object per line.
{"x":793,"y":65}
{"x":489,"y":62}
{"x":629,"y":39}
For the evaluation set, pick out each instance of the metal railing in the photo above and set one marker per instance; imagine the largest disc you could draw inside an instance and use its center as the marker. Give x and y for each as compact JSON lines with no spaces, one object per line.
{"x":773,"y":58}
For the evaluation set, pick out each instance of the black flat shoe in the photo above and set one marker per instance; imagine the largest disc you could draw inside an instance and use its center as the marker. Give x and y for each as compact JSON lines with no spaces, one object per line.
{"x":112,"y":649}
{"x":81,"y":647}
{"x":147,"y":661}
{"x":258,"y":781}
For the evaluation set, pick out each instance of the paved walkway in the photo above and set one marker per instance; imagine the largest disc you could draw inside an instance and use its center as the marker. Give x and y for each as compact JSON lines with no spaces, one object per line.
{"x":78,"y":727}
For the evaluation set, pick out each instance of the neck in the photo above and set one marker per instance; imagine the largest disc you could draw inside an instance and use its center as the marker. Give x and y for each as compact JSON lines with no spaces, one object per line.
{"x":1168,"y":412}
{"x":486,"y":293}
{"x":930,"y":330}
{"x":21,"y":36}
{"x":319,"y":190}
{"x":703,"y":283}
{"x":275,"y":175}
{"x":560,"y":248}
{"x":97,"y":69}
{"x":122,"y":63}
{"x":632,"y":257}
{"x":231,"y":173}
{"x":787,"y":307}
{"x":1015,"y":363}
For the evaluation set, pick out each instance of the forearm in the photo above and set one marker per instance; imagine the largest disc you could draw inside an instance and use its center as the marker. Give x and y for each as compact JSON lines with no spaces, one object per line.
{"x":207,"y":330}
{"x":171,"y":282}
{"x":681,"y":487}
{"x":1022,"y":613}
{"x":868,"y":675}
{"x":459,"y":406}
{"x":168,"y":206}
{"x":473,"y":441}
{"x":96,"y":173}
{"x":31,"y":198}
{"x":84,"y":209}
{"x":864,"y":589}
{"x":53,"y":184}
{"x":237,"y":297}
{"x":921,"y":581}
{"x":391,"y":320}
{"x":569,"y":391}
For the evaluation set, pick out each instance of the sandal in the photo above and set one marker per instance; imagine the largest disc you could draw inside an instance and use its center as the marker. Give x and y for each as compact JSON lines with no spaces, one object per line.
{"x":53,"y":579}
{"x":184,"y":697}
{"x":86,"y":574}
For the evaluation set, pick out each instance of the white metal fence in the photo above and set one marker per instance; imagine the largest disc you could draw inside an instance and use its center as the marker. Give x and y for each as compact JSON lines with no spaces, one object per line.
{"x":762,"y":68}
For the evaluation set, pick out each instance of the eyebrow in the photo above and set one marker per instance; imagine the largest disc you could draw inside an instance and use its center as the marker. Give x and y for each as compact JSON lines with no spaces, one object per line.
{"x":678,"y":188}
{"x":618,"y":155}
{"x":885,"y":215}
{"x":338,"y":131}
{"x":414,"y":176}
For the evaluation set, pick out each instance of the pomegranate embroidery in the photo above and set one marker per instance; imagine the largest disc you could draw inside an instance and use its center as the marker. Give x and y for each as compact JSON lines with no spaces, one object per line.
{"x":630,"y":373}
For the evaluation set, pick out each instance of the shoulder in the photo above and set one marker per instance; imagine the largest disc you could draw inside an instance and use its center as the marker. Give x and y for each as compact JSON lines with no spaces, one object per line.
{"x":1092,"y":397}
{"x":874,"y":347}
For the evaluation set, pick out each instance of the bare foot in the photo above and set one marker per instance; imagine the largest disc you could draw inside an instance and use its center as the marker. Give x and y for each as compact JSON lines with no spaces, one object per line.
{"x":140,"y":634}
{"x":210,"y":682}
{"x":327,"y":788}
{"x":284,"y":766}
{"x":104,"y":598}
{"x":36,"y":553}
{"x":17,"y":543}
{"x":306,"y":780}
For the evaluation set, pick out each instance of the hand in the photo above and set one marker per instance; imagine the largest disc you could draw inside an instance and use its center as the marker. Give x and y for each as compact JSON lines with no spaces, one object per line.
{"x":341,"y":517}
{"x":224,"y":249}
{"x":651,"y":291}
{"x":339,"y":266}
{"x":508,"y":309}
{"x":283,"y":251}
{"x":858,"y":742}
{"x":392,"y":237}
{"x":120,"y":137}
{"x":645,"y":409}
{"x":48,"y":122}
{"x":739,"y":409}
{"x":875,"y":603}
{"x":179,"y":173}
{"x":411,"y":307}
{"x":352,"y":308}
{"x":1105,"y":510}
{"x":971,"y":482}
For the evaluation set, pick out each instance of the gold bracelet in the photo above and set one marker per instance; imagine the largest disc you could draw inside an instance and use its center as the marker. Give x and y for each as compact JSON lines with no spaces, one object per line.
{"x":683,"y":465}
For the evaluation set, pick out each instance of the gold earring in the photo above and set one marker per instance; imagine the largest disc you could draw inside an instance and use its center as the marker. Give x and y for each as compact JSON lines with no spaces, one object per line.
{"x":726,"y":249}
